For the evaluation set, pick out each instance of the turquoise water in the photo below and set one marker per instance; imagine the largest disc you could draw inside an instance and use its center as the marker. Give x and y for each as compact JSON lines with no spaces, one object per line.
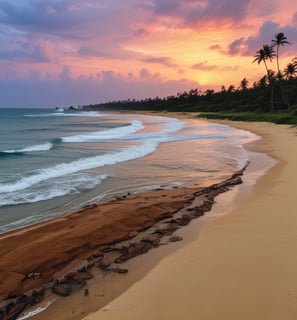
{"x":52,"y":162}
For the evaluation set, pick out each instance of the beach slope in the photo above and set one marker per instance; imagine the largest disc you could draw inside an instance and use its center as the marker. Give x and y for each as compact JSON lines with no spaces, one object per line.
{"x":242,"y":266}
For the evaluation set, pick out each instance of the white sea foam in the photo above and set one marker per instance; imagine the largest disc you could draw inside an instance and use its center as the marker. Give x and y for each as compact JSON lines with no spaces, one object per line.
{"x":115,"y":133}
{"x":147,"y":145}
{"x":63,"y":169}
{"x":38,"y":147}
{"x":37,"y":310}
{"x":79,"y":114}
{"x":65,"y":114}
{"x":58,"y":188}
{"x":29,"y":197}
{"x":171,"y":125}
{"x":140,"y":150}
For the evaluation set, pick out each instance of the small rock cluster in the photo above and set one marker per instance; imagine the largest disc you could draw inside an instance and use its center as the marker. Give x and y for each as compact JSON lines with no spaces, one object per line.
{"x":13,"y":309}
{"x":107,"y":259}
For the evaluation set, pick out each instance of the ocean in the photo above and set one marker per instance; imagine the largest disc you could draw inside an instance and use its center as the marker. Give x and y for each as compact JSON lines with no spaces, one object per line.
{"x":56,"y":161}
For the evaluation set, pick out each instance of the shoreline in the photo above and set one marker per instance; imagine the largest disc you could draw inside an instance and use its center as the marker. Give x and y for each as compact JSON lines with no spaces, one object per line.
{"x":243,"y":266}
{"x":106,"y":288}
{"x":53,"y":249}
{"x":56,"y":258}
{"x":167,"y":195}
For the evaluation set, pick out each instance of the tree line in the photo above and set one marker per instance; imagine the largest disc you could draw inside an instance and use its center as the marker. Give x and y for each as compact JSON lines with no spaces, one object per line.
{"x":280,"y":78}
{"x":275,"y":92}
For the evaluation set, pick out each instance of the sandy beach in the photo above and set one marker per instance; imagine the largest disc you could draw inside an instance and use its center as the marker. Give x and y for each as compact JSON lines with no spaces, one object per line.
{"x":241,"y":265}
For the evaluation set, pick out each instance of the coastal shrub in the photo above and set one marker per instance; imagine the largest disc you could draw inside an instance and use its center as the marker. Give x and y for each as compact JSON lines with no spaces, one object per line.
{"x":278,"y":118}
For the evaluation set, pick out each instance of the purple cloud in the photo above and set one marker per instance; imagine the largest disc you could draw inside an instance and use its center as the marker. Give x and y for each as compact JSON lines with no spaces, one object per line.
{"x":203,"y":66}
{"x":75,"y":28}
{"x":235,"y":46}
{"x":265,"y":34}
{"x":168,"y":7}
{"x":41,"y":16}
{"x":216,"y":47}
{"x":106,"y":86}
{"x":199,"y":12}
{"x":214,"y":9}
{"x":165,"y":61}
{"x":33,"y":50}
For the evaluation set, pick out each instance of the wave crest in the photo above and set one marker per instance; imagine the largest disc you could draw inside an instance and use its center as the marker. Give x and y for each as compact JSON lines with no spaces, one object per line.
{"x":38,"y":147}
{"x":115,"y":133}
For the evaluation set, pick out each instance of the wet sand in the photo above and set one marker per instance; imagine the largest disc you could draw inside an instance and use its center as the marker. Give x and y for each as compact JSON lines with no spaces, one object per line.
{"x":242,"y":266}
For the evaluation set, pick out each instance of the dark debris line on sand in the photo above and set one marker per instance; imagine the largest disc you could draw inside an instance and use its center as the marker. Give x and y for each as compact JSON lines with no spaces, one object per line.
{"x":108,"y":258}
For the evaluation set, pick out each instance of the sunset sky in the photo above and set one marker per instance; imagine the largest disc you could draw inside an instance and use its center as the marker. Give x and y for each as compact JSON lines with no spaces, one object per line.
{"x":77,"y":52}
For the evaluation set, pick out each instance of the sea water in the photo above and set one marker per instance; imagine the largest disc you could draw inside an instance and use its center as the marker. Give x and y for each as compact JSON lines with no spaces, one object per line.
{"x":53,"y":162}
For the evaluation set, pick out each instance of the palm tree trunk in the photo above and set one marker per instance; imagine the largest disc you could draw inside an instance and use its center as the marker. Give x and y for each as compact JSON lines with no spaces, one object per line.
{"x":272,"y":99}
{"x":286,"y":102}
{"x":271,"y":88}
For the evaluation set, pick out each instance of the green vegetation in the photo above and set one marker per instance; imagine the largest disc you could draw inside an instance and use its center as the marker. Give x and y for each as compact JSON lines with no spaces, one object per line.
{"x":278,"y":118}
{"x":272,"y":98}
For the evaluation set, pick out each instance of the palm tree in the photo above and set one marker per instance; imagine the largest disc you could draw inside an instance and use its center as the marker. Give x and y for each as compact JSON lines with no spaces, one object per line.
{"x":231,"y":88}
{"x":267,"y":52}
{"x":291,"y":70}
{"x":279,"y":40}
{"x":262,"y":83}
{"x":290,"y":73}
{"x":244,"y":84}
{"x":209,"y":92}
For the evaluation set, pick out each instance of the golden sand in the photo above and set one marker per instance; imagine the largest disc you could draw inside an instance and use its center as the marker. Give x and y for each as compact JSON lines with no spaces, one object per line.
{"x":242,"y":266}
